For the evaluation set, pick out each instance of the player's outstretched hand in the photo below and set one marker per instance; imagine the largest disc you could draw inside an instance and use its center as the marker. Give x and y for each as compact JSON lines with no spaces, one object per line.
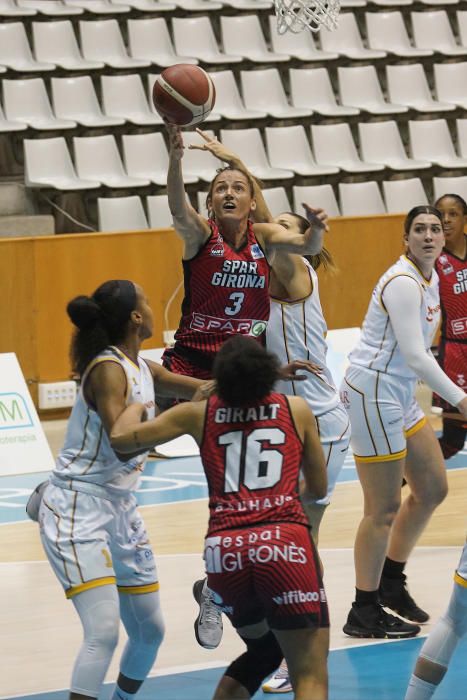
{"x":205,"y":390}
{"x":214,"y":146}
{"x":175,"y":140}
{"x":289,"y":372}
{"x":317,"y":217}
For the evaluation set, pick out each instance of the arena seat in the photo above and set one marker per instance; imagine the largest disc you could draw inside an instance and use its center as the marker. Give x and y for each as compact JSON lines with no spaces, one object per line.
{"x":9,"y":8}
{"x":451,"y":82}
{"x":408,"y":85}
{"x":346,"y":40}
{"x":47,"y":163}
{"x":263,"y":90}
{"x":159,"y":212}
{"x":402,"y":195}
{"x":229,"y":103}
{"x":381,"y":142}
{"x":99,"y":7}
{"x":360,"y":199}
{"x":300,"y":46}
{"x":359,"y":87}
{"x":431,"y":139}
{"x":461,"y":16}
{"x":50,"y":8}
{"x":316,"y":196}
{"x":149,"y":40}
{"x":75,"y":98}
{"x":121,"y":214}
{"x":8,"y":125}
{"x":15,"y":52}
{"x":242,"y":35}
{"x":124,"y":96}
{"x":387,"y":31}
{"x":97,"y":159}
{"x":146,"y":156}
{"x":311,"y":88}
{"x":249,"y":146}
{"x":449,"y":185}
{"x":195,"y":36}
{"x":198,"y":164}
{"x":27,"y":101}
{"x":431,"y":30}
{"x":333,"y":144}
{"x":461,"y":128}
{"x":289,"y":148}
{"x":146,"y":5}
{"x":101,"y":40}
{"x":277,"y":200}
{"x":55,"y":42}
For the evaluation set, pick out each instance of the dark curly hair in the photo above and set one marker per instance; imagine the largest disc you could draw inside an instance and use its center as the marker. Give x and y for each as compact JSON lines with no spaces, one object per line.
{"x":245,"y":371}
{"x":100,"y":319}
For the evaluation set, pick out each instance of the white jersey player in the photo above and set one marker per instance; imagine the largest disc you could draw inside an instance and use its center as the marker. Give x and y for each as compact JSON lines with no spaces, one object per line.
{"x":91,"y":530}
{"x":390,"y":437}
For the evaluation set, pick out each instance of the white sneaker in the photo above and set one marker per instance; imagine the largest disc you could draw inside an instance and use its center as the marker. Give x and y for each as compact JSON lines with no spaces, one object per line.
{"x":208,"y":624}
{"x":279,"y":682}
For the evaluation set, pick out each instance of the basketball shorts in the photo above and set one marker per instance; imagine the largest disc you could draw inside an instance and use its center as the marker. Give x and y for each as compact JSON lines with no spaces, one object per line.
{"x":334,"y":435}
{"x":383,"y":413}
{"x":452,"y":357}
{"x":267,"y":572}
{"x":460,"y":576}
{"x":92,"y":542}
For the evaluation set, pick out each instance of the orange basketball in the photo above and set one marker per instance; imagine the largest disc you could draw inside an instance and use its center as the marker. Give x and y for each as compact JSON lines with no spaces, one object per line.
{"x":184,"y":94}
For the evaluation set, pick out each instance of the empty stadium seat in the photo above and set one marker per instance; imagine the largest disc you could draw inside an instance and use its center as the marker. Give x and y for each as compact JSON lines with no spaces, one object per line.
{"x":381,"y":142}
{"x":301,"y":46}
{"x":47,"y":163}
{"x":462,"y":24}
{"x":360,"y":199}
{"x":97,"y":158}
{"x":7,"y":125}
{"x":99,"y":7}
{"x":55,"y":42}
{"x":121,"y":214}
{"x":263,"y":91}
{"x":450,"y":185}
{"x":431,"y":139}
{"x":194,"y":36}
{"x":387,"y":31}
{"x":451,"y":82}
{"x":198,"y":164}
{"x":311,"y":88}
{"x":461,"y":126}
{"x":149,"y":40}
{"x":248,"y":145}
{"x":229,"y":103}
{"x":288,"y":148}
{"x":333,"y":145}
{"x":9,"y":8}
{"x":242,"y":35}
{"x":101,"y":40}
{"x":146,"y":5}
{"x":159,"y":212}
{"x":431,"y":30}
{"x":52,"y":8}
{"x":277,"y":200}
{"x":401,"y":195}
{"x":359,"y":87}
{"x":76,"y":99}
{"x":27,"y":101}
{"x":146,"y":156}
{"x":346,"y":40}
{"x":124,"y":96}
{"x":407,"y":85}
{"x":15,"y":52}
{"x":316,"y":196}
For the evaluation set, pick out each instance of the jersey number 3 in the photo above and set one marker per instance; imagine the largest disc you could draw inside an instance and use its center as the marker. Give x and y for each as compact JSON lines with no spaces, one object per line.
{"x":237,"y":300}
{"x":261,"y":467}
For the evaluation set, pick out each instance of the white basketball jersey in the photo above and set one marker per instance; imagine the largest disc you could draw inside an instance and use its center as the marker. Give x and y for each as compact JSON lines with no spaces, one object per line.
{"x":87,"y":462}
{"x":297,"y":331}
{"x":378,"y":348}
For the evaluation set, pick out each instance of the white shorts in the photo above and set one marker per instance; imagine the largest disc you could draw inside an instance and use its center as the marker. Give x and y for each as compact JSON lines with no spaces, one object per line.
{"x":92,"y":542}
{"x":383,"y":413}
{"x":334,"y":435}
{"x":460,"y":576}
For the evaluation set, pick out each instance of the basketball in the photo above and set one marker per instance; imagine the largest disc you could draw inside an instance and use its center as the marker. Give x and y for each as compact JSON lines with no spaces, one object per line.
{"x":184,"y":94}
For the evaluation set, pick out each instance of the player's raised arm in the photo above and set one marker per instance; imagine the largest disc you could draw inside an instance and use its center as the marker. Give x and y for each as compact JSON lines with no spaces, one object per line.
{"x":191,"y":227}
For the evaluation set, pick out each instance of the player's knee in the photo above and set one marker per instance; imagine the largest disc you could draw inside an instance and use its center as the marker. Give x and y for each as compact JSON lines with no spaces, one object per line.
{"x":262,"y":657}
{"x":384,"y":517}
{"x":153,"y":630}
{"x":104,"y":636}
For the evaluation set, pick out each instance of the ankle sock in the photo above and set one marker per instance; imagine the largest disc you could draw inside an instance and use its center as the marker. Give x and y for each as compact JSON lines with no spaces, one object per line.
{"x":393,"y":569}
{"x":363,"y":598}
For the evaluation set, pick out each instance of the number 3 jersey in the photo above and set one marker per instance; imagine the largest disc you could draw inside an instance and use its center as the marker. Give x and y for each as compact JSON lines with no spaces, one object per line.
{"x":252,"y":457}
{"x":226,"y":292}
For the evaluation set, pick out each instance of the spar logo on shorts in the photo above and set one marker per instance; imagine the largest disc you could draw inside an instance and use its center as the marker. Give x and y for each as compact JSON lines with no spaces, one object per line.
{"x":294,"y":597}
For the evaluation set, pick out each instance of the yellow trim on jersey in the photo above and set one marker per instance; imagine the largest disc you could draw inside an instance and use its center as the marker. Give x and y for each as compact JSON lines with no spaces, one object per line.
{"x":97,"y":361}
{"x":415,"y":428}
{"x":414,"y":264}
{"x":105,"y":581}
{"x":461,"y":581}
{"x":125,"y":356}
{"x":137,"y":590}
{"x":382,"y":458}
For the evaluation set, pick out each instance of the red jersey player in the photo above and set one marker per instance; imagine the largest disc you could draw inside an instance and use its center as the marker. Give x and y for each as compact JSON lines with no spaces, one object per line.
{"x":451,"y":267}
{"x":225,"y":263}
{"x":260,"y":558}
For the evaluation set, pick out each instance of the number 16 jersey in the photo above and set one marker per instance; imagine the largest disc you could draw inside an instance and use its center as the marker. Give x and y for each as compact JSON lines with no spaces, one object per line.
{"x":252,"y":457}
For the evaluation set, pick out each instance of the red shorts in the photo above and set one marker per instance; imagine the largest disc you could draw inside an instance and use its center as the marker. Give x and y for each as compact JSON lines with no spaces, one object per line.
{"x":178,"y":363}
{"x":452,"y":357}
{"x":267,"y":572}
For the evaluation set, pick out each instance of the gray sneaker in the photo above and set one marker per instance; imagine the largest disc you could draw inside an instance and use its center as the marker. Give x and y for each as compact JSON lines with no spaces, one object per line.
{"x":208,"y":624}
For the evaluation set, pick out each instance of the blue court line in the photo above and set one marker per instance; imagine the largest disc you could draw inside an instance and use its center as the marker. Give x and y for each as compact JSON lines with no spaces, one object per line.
{"x":164,"y":481}
{"x":378,"y":670}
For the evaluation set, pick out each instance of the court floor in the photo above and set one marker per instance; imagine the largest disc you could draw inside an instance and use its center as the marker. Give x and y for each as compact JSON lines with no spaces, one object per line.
{"x":40,"y":632}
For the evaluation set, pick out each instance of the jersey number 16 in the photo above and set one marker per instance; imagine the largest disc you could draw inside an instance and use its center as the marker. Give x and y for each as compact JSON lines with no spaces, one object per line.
{"x":261,"y":467}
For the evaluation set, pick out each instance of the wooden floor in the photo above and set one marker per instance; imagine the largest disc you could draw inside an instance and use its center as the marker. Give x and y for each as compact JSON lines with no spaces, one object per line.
{"x":40,"y":632}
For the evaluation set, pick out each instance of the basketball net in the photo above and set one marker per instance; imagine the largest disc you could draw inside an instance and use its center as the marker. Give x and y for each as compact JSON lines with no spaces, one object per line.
{"x":297,"y":15}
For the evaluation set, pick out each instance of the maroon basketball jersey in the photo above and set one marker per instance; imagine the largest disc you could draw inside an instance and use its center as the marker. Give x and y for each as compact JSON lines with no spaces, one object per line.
{"x":452,"y":273}
{"x":226,"y":292}
{"x":252,"y":457}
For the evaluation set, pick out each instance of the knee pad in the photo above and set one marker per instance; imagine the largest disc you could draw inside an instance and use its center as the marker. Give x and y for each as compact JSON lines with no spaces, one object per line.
{"x":142,"y":617}
{"x":262,"y":657}
{"x":450,"y":628}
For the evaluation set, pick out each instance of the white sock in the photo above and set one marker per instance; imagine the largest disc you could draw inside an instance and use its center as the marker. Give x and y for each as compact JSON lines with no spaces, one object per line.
{"x":419,"y":690}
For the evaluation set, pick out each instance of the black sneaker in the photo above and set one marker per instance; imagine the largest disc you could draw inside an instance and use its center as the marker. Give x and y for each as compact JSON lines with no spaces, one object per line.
{"x":393,"y":594}
{"x":373,"y":622}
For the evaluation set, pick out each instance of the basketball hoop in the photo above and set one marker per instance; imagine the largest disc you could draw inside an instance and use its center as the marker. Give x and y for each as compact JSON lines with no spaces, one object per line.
{"x":297,"y":15}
